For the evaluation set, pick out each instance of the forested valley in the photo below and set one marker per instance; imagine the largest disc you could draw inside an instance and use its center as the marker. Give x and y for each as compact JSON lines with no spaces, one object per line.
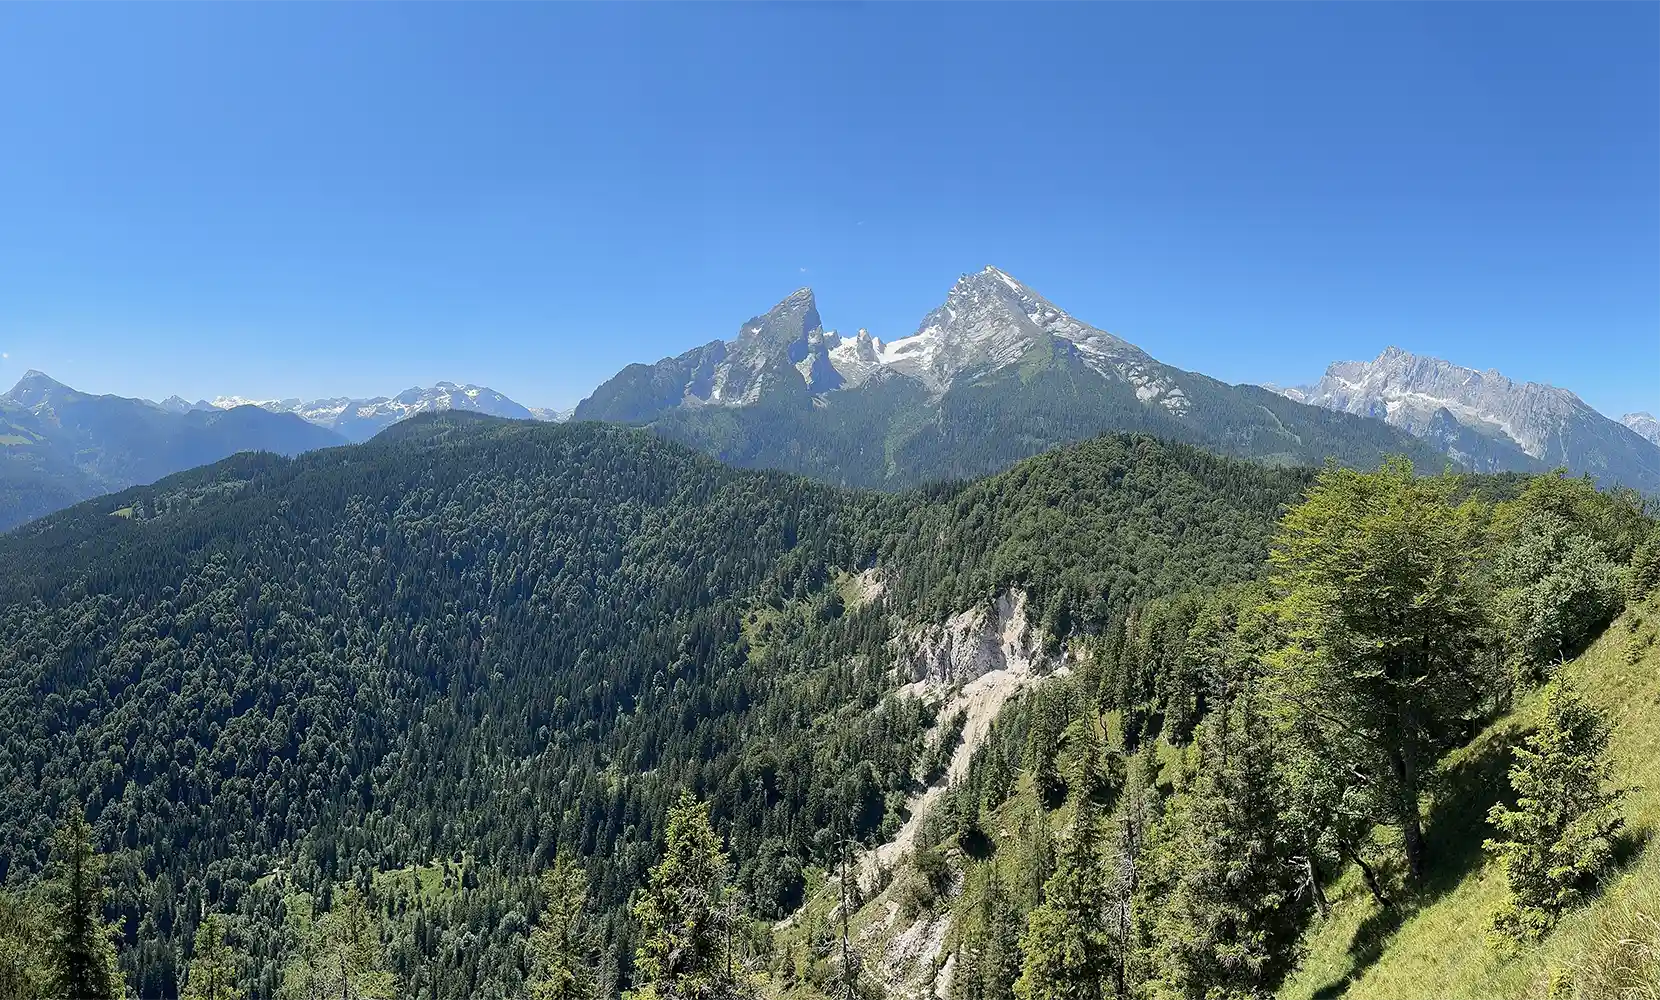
{"x":493,"y":709}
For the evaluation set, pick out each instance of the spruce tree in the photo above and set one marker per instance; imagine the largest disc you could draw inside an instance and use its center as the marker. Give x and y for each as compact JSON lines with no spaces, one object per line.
{"x":212,"y":973}
{"x":686,"y":915}
{"x":1229,"y":923}
{"x":559,"y":952}
{"x":84,"y":965}
{"x":1139,"y":810}
{"x":25,"y":973}
{"x":1559,"y":839}
{"x":1067,"y":950}
{"x":1088,"y":772}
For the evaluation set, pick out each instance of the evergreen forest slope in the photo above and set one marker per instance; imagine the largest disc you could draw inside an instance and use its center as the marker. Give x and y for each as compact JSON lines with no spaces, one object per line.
{"x":490,"y":640}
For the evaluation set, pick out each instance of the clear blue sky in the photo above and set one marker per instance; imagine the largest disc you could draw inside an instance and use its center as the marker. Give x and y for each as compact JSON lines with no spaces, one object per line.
{"x":322,"y":199}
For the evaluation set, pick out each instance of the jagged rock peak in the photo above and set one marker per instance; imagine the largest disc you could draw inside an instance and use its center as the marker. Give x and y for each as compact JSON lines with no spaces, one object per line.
{"x":1644,"y":424}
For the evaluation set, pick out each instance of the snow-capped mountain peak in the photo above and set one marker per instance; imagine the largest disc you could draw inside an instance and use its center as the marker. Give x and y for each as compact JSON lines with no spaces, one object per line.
{"x":361,"y":419}
{"x":1483,"y":419}
{"x":1644,"y":424}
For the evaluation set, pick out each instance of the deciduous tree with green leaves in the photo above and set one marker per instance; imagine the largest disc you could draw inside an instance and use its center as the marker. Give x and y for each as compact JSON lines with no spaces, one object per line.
{"x":25,"y":972}
{"x":1386,"y":626}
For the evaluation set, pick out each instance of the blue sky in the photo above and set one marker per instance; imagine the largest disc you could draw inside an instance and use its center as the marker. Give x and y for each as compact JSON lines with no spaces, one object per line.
{"x":350,"y":199}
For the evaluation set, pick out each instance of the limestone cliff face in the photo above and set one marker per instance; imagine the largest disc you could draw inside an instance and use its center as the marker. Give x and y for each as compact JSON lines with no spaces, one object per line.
{"x":973,"y":643}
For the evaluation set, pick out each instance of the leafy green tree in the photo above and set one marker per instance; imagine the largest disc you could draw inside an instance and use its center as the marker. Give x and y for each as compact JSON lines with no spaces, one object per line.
{"x":1067,"y":950}
{"x":686,"y":915}
{"x":212,"y":974}
{"x":25,"y":973}
{"x":558,"y":948}
{"x":1559,"y":839}
{"x":1228,"y":926}
{"x":340,"y":956}
{"x":1385,"y":624}
{"x":83,"y":945}
{"x":1559,"y":590}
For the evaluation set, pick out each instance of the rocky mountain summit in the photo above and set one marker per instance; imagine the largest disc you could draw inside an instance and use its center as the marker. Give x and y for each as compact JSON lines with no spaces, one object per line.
{"x":997,"y":372}
{"x":1485,"y":421}
{"x":1644,"y":424}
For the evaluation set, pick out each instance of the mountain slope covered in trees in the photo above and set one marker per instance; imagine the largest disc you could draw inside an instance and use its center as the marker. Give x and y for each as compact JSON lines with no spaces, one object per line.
{"x":470,"y":645}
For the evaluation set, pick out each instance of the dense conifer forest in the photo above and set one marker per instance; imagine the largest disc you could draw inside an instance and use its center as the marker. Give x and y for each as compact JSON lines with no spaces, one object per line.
{"x":493,"y":709}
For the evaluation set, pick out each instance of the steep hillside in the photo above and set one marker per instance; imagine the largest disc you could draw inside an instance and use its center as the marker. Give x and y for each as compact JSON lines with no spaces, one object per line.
{"x":995,"y":374}
{"x":1442,"y":945}
{"x":507,"y":639}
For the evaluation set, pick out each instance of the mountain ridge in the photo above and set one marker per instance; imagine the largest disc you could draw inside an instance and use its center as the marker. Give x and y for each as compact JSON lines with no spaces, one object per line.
{"x":1485,"y":420}
{"x":995,"y":373}
{"x":358,"y":419}
{"x":59,"y":445}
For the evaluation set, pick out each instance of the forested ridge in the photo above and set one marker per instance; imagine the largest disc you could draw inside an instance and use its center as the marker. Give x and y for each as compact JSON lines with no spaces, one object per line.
{"x":494,"y":709}
{"x":470,"y":645}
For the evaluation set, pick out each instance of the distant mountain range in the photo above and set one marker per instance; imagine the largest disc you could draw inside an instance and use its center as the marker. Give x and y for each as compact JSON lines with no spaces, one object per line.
{"x":995,"y":374}
{"x":361,"y":419}
{"x":1487,"y":422}
{"x":59,"y":446}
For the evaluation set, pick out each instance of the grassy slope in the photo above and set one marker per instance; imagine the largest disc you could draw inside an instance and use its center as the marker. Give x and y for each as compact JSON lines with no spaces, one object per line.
{"x":1441,"y":947}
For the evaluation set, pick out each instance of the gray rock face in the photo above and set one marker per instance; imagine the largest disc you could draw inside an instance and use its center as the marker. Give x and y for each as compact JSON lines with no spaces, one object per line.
{"x":973,"y":643}
{"x":1644,"y":424}
{"x":988,"y":321}
{"x":1484,"y":420}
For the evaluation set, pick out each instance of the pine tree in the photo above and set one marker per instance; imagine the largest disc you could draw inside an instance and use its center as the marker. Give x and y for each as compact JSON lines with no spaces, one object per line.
{"x":1088,"y":773}
{"x":212,"y":974}
{"x":1560,"y":837}
{"x":1376,"y":576}
{"x":1067,"y":950}
{"x":24,"y":944}
{"x":686,"y":916}
{"x":84,"y":965}
{"x":559,"y":952}
{"x":340,"y":956}
{"x":1139,"y":809}
{"x":1229,"y":923}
